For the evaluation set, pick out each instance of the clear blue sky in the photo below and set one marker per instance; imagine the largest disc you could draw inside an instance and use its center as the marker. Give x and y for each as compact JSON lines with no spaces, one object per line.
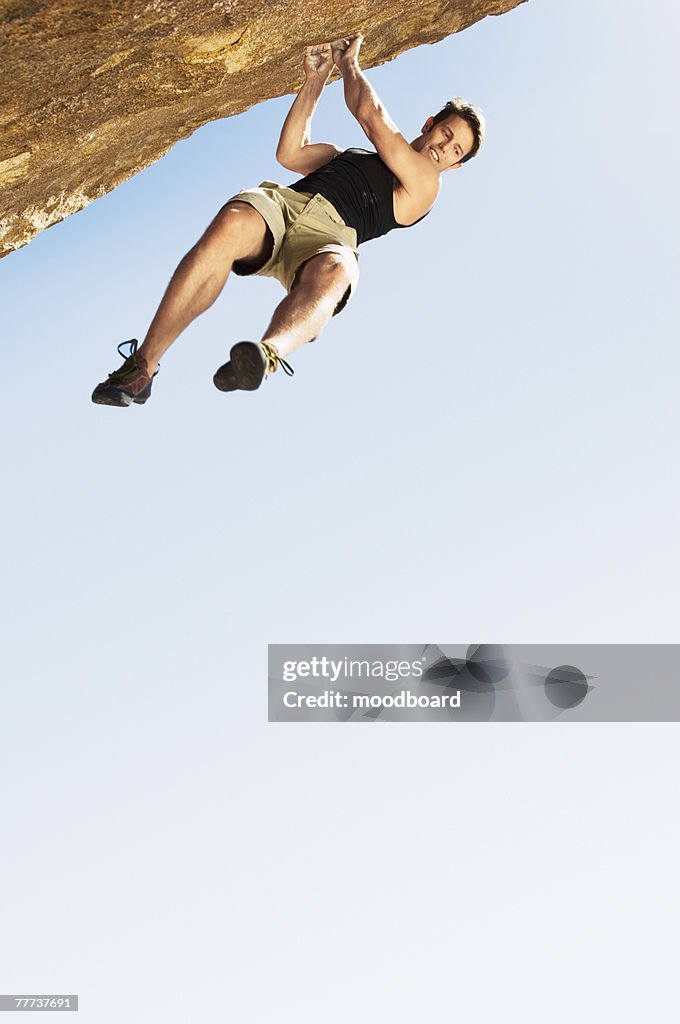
{"x":482,"y":446}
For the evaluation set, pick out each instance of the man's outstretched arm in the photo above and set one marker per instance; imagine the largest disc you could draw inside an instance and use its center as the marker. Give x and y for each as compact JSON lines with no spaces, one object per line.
{"x":414,"y":173}
{"x":295,"y":150}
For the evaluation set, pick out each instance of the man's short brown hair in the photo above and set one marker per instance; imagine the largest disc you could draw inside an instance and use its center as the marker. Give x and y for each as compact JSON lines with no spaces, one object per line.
{"x":473,"y":116}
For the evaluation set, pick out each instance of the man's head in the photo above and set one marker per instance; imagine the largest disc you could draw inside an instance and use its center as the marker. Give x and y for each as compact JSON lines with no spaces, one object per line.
{"x":453,"y":136}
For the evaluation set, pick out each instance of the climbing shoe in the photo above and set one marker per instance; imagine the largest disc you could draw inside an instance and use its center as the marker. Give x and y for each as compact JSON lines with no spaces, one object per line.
{"x":131,"y":383}
{"x":250,"y":362}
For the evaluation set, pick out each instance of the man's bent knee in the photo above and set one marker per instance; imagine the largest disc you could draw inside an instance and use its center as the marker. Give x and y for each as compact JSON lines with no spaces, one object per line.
{"x":328,"y":274}
{"x":242,"y":229}
{"x":327,"y":271}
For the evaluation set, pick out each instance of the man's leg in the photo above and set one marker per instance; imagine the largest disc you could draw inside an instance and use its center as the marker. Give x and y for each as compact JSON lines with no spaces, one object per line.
{"x":319,"y":286}
{"x":238,"y":232}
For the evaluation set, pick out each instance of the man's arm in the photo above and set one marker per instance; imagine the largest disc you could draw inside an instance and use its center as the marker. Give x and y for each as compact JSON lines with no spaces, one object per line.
{"x":417,"y":177}
{"x":295,"y":152}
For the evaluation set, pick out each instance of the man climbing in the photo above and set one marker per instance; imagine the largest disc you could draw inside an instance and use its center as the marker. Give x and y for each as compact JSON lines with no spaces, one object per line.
{"x":306,"y":235}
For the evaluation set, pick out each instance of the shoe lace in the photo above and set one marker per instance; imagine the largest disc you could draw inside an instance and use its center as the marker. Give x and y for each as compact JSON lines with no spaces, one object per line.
{"x":273,"y":359}
{"x":133,"y":348}
{"x":133,"y":343}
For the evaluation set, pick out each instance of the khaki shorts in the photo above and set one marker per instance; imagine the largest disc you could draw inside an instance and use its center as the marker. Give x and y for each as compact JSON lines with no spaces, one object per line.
{"x":302,"y":226}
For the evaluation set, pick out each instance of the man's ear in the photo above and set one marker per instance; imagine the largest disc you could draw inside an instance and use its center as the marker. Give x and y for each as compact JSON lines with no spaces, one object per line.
{"x":428,"y":124}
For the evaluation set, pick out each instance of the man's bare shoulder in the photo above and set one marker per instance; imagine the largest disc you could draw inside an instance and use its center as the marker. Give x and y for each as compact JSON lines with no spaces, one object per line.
{"x":417,"y":175}
{"x":410,"y":208}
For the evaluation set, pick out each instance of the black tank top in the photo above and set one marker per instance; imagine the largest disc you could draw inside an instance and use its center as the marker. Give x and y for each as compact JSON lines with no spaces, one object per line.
{"x":361,"y":188}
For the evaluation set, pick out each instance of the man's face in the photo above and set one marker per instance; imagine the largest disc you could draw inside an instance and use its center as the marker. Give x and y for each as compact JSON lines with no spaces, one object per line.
{"x":445,"y":144}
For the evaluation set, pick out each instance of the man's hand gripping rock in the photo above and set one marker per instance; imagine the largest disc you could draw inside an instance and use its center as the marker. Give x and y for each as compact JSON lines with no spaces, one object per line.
{"x":346,"y":51}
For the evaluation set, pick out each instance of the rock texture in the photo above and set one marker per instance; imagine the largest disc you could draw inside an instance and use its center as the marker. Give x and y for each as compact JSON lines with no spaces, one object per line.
{"x":92,"y":91}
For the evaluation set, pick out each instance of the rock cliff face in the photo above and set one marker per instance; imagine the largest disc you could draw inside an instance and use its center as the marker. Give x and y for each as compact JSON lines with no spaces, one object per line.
{"x":92,"y":91}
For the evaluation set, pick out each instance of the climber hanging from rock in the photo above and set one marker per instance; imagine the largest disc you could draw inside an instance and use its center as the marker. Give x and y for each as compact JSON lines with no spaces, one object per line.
{"x":307,"y":234}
